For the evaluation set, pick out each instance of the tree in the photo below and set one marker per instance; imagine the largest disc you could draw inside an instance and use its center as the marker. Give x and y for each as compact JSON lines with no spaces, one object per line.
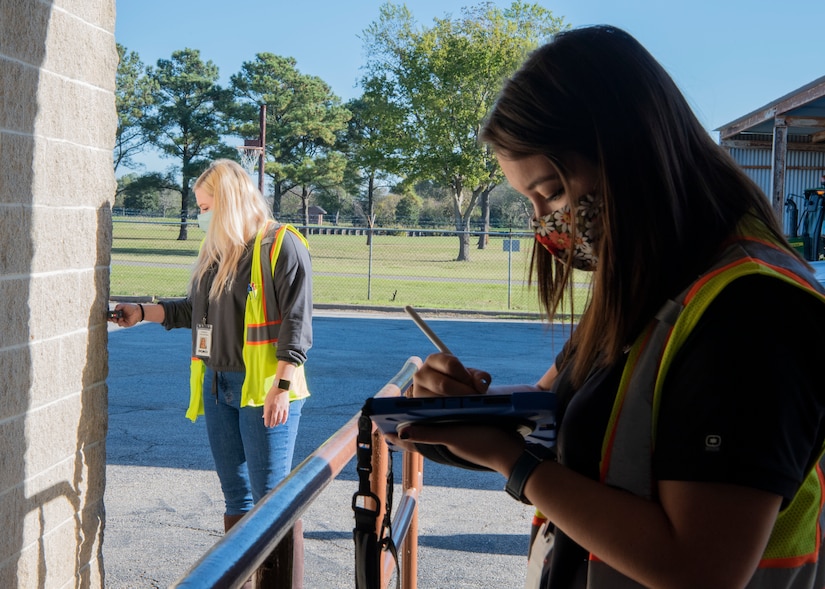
{"x":385,"y":210}
{"x":370,"y":165}
{"x":511,"y":209}
{"x":144,"y":192}
{"x":435,"y":213}
{"x":133,"y":98}
{"x":335,"y":200}
{"x":408,"y":209}
{"x":188,"y":118}
{"x":445,"y":79}
{"x":303,"y":120}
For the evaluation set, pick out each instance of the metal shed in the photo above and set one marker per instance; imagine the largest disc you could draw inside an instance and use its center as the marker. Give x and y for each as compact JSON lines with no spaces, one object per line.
{"x":781,"y":145}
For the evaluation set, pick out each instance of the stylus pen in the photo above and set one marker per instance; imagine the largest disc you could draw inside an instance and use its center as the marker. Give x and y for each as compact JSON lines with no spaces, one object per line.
{"x":422,"y":325}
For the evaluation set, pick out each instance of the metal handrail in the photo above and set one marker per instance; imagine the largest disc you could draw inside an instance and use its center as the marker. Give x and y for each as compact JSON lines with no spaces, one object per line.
{"x":244,"y":548}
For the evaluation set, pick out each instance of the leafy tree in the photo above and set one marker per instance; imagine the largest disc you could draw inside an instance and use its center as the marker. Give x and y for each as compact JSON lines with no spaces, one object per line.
{"x":144,"y":192}
{"x":188,"y":118}
{"x":303,"y":120}
{"x":435,"y":213}
{"x":133,"y":98}
{"x":429,"y":189}
{"x":370,"y":166}
{"x":445,"y":79}
{"x":510,"y":208}
{"x":408,"y":209}
{"x":385,"y":210}
{"x":335,"y":200}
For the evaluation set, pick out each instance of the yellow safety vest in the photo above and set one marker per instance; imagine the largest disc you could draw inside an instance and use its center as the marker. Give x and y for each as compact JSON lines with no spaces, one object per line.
{"x":792,"y":558}
{"x":260,"y":341}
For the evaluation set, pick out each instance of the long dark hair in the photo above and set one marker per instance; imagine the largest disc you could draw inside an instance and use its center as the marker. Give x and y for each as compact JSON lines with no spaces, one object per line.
{"x":671,"y":195}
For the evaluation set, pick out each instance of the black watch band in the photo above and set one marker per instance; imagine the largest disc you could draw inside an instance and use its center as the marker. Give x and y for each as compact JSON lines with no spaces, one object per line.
{"x":284,"y":384}
{"x":522,"y":469}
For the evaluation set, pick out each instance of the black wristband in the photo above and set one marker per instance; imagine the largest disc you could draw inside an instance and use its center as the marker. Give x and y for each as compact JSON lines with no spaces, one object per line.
{"x":142,"y":313}
{"x":522,"y":469}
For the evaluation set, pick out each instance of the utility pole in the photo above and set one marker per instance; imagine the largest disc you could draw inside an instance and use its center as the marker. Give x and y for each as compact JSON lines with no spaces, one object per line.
{"x":262,"y":154}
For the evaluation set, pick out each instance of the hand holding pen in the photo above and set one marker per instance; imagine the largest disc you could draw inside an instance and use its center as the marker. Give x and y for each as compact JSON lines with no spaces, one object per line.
{"x":443,"y":374}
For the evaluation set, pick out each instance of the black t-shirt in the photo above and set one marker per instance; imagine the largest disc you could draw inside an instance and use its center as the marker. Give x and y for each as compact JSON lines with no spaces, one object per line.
{"x":742,"y":403}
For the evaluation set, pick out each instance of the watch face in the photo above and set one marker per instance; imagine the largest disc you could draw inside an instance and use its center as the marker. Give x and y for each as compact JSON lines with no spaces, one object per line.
{"x":284,"y":384}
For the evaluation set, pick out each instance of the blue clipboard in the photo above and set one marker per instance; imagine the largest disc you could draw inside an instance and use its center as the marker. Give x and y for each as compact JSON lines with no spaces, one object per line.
{"x":532,"y":413}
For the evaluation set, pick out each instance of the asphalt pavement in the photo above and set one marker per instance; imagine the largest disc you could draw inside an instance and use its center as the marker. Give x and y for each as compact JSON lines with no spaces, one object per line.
{"x":164,"y":507}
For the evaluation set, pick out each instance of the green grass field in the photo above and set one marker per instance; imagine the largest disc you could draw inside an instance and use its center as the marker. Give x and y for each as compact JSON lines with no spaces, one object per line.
{"x":149,"y":260}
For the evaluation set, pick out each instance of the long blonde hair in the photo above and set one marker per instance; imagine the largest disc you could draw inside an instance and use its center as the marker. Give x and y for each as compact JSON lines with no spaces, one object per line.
{"x":239,"y":211}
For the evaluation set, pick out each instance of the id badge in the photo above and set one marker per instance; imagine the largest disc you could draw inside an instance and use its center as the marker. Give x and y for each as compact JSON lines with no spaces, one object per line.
{"x":203,"y":340}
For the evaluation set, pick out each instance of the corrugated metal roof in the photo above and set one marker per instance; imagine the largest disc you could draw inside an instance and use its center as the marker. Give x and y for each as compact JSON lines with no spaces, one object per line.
{"x":782,"y":144}
{"x":803,"y":111}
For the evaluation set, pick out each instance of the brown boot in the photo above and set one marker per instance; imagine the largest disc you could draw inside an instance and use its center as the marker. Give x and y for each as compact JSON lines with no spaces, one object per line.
{"x":228,"y":522}
{"x":286,"y":562}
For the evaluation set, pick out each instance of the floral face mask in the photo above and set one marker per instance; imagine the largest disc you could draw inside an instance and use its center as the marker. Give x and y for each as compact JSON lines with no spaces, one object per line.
{"x":553,"y":231}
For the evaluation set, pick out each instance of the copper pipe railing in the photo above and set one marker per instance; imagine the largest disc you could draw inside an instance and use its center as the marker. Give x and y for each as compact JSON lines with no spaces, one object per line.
{"x":243,"y":549}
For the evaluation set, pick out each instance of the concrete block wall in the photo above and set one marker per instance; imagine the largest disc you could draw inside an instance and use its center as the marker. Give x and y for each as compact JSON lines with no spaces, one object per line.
{"x":57,"y":127}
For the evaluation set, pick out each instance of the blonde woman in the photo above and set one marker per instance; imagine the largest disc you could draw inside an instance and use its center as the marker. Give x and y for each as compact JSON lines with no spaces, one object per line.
{"x":250,"y":311}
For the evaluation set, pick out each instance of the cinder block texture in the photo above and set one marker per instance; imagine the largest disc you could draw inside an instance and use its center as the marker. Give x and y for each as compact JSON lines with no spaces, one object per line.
{"x":16,"y":154}
{"x":18,"y":98}
{"x":57,"y":126}
{"x":88,"y":39}
{"x":23,"y":27}
{"x":98,"y":14}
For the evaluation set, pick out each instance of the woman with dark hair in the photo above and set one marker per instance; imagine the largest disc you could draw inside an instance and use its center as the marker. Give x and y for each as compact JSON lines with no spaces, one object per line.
{"x":690,"y":403}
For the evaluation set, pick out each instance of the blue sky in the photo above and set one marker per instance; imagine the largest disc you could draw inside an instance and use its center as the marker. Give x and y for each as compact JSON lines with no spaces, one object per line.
{"x":729,"y":57}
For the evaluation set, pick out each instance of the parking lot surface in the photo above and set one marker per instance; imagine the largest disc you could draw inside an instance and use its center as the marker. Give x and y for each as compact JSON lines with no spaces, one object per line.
{"x":164,"y":506}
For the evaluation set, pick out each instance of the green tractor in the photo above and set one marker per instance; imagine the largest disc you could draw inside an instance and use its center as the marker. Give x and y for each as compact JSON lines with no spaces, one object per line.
{"x":803,"y":222}
{"x":803,"y":227}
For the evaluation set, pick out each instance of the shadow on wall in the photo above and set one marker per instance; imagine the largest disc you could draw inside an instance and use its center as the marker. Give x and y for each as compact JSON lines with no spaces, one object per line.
{"x":90,"y":457}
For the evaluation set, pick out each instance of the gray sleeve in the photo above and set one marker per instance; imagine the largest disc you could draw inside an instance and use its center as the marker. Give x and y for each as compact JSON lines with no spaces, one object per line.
{"x":293,"y":292}
{"x":176,"y":313}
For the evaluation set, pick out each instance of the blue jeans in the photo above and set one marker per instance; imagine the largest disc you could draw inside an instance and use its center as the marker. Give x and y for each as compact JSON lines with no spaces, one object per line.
{"x":250,"y":458}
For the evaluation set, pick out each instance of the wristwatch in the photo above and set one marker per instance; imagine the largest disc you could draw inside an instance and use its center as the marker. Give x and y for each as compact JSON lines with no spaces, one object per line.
{"x":522,"y":469}
{"x":284,"y":384}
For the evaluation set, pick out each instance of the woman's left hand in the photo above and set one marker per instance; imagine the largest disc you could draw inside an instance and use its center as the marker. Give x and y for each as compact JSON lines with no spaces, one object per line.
{"x":276,"y":407}
{"x":492,"y":447}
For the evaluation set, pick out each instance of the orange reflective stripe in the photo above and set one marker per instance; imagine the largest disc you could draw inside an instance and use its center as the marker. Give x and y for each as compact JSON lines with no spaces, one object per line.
{"x":790,"y":562}
{"x":257,"y":334}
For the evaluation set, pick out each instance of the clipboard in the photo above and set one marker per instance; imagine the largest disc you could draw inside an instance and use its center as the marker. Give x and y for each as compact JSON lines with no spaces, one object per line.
{"x":531,"y":413}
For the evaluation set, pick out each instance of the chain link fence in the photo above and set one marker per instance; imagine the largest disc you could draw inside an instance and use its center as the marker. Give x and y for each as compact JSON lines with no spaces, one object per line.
{"x":352,"y":266}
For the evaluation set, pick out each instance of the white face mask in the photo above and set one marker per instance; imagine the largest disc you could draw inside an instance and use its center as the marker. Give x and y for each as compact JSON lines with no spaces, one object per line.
{"x":204,"y":219}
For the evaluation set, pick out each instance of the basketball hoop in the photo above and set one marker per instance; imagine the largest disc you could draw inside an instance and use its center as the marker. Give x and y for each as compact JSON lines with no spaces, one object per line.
{"x":253,"y":152}
{"x":250,"y":157}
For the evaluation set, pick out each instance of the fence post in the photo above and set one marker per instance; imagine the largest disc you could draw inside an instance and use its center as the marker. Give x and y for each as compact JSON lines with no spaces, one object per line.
{"x":369,"y":264}
{"x":509,"y":267}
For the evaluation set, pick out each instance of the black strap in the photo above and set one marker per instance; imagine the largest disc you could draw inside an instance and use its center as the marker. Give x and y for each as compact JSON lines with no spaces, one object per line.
{"x":366,"y":505}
